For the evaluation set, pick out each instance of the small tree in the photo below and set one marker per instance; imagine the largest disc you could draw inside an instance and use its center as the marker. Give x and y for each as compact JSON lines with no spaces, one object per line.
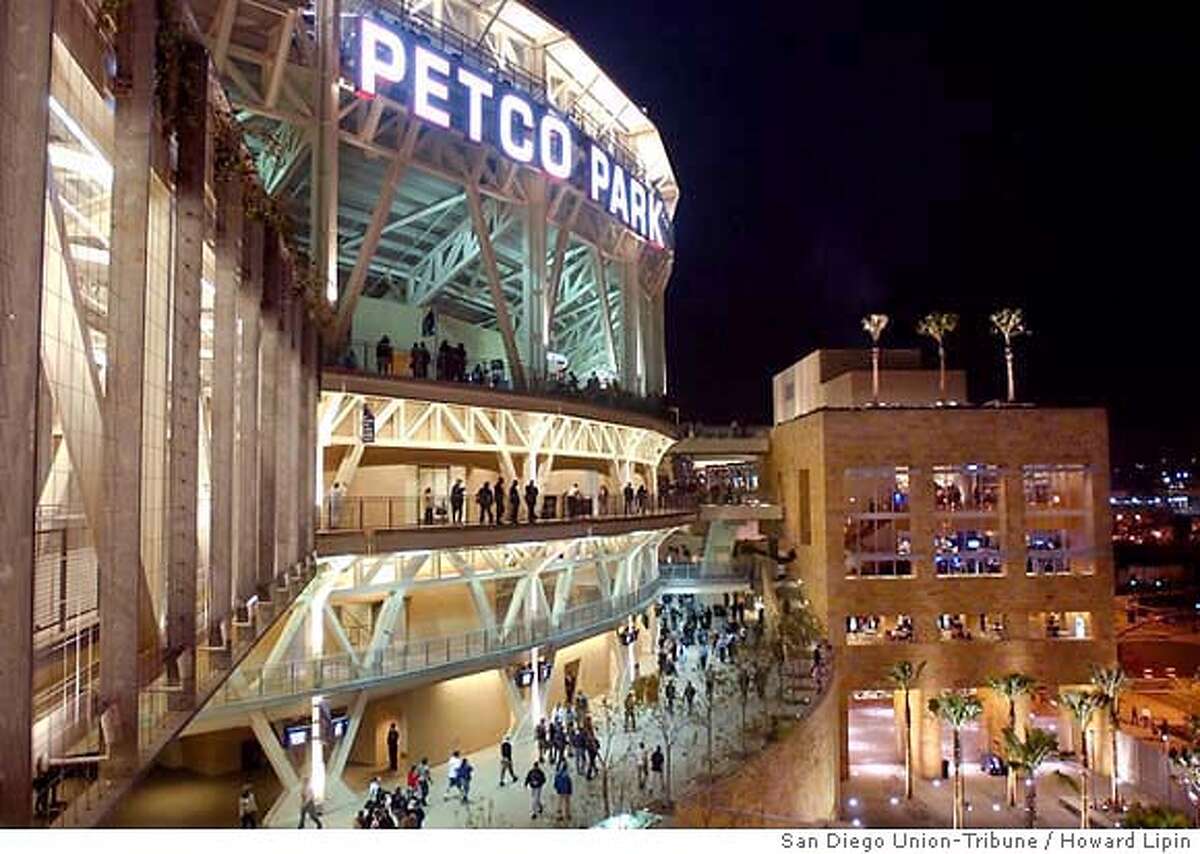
{"x":1157,"y":817}
{"x":1110,"y":683}
{"x":1187,"y":765}
{"x":937,"y":325}
{"x":1009,"y":324}
{"x":903,"y":675}
{"x":669,"y":725}
{"x":1012,"y":686}
{"x":1027,"y":755}
{"x":873,"y":325}
{"x":744,"y":683}
{"x":956,"y":710}
{"x":1083,"y":705}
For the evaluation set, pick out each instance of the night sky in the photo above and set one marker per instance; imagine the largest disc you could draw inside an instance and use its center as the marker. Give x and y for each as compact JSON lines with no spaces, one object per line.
{"x":837,"y":158}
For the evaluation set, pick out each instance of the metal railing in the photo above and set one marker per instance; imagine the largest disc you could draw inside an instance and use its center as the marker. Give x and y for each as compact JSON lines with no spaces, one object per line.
{"x":364,"y":357}
{"x":697,"y":572}
{"x":414,"y":656}
{"x":356,"y":513}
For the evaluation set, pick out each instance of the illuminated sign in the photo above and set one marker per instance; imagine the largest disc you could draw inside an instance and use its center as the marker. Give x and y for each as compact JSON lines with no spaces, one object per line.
{"x":445,"y":92}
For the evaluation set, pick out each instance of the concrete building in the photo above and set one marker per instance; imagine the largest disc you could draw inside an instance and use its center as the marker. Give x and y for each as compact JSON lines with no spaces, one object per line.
{"x":975,"y":539}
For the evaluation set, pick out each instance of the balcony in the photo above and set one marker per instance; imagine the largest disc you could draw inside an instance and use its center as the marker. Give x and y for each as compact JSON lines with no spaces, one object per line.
{"x":416,"y":661}
{"x":370,"y":524}
{"x":495,"y":390}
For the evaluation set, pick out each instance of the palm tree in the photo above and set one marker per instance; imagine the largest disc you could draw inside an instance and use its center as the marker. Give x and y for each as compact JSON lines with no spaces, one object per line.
{"x":873,"y":325}
{"x":956,"y":710}
{"x":905,"y":674}
{"x":1082,"y":705}
{"x":1009,"y":323}
{"x":1027,"y":755}
{"x":937,"y":325}
{"x":1110,"y":683}
{"x":1012,"y":686}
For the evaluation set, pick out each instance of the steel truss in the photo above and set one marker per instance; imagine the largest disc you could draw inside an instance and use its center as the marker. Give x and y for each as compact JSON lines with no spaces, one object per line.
{"x":531,"y":439}
{"x":446,"y":222}
{"x":360,"y":602}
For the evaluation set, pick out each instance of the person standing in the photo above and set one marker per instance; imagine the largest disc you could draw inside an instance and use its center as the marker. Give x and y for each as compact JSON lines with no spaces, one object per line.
{"x":531,"y":497}
{"x":535,"y":779}
{"x":498,"y":494}
{"x":484,"y":499}
{"x":643,"y":766}
{"x":689,"y":694}
{"x":308,"y":805}
{"x":670,"y":696}
{"x":506,"y":761}
{"x":458,"y":494}
{"x":248,"y":808}
{"x":630,"y":712}
{"x":602,"y":499}
{"x":427,"y":506}
{"x":383,"y":355}
{"x":642,"y":499}
{"x":629,"y":499}
{"x":543,"y":739}
{"x":656,"y":768}
{"x":563,"y":788}
{"x":393,"y":746}
{"x":414,"y":360}
{"x":514,"y":501}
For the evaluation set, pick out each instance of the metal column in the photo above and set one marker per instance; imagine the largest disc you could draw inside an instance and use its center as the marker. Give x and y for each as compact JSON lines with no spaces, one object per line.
{"x":631,"y":325}
{"x":324,"y":198}
{"x":121,"y":583}
{"x":25,"y":28}
{"x":533,"y":291}
{"x":268,"y":426}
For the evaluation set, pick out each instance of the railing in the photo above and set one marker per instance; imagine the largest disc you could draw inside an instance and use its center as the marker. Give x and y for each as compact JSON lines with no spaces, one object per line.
{"x":355,"y":513}
{"x":414,"y":656}
{"x":696,"y":572}
{"x":364,"y":357}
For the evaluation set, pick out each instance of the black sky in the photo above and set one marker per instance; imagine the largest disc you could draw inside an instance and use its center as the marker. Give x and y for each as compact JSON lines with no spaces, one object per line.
{"x":837,"y":158}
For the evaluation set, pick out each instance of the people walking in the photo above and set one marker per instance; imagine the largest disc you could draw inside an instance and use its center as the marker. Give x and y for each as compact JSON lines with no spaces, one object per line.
{"x":689,"y":695}
{"x":630,"y":712}
{"x":563,"y":788}
{"x":248,"y":808}
{"x":643,"y":766}
{"x":452,"y":767}
{"x":393,"y":747}
{"x":308,"y":805}
{"x":534,"y":780}
{"x":656,"y":768}
{"x":465,"y":771}
{"x":670,"y":696}
{"x":506,"y":760}
{"x":425,"y":774}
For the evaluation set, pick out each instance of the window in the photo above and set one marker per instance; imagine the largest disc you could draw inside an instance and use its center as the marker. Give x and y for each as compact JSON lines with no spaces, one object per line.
{"x":872,"y":629}
{"x":958,"y":551}
{"x":1061,"y":625}
{"x":877,"y":536}
{"x":966,"y":627}
{"x":1055,"y":488}
{"x":970,"y":488}
{"x":1048,"y":552}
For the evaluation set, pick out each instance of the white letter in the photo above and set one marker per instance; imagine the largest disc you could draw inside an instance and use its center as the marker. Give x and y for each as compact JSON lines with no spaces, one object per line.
{"x":370,"y":66}
{"x":656,"y":214}
{"x":426,"y":86}
{"x":616,"y":201}
{"x":523,"y":150}
{"x":637,"y":206}
{"x":477,"y":90}
{"x":560,"y":166}
{"x":600,"y":173}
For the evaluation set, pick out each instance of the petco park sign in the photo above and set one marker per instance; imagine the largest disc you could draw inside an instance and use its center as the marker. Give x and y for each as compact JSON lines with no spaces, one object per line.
{"x":443,"y":91}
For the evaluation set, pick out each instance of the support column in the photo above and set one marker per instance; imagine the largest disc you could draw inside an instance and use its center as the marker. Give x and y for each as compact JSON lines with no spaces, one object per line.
{"x":249,"y":306}
{"x":25,"y":34}
{"x":632,"y":375}
{"x":304,"y":447}
{"x":324,"y":199}
{"x":533,"y":292}
{"x":268,"y":412}
{"x":284,"y":432}
{"x":658,"y":343}
{"x":183,"y":451}
{"x":121,"y":584}
{"x":230,"y":225}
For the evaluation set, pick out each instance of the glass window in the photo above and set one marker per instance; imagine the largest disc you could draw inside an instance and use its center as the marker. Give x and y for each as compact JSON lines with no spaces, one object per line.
{"x":970,"y":488}
{"x":877,"y":536}
{"x":959,"y":551}
{"x":966,"y":627}
{"x":1055,"y":488}
{"x":1061,"y":625}
{"x":872,"y":629}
